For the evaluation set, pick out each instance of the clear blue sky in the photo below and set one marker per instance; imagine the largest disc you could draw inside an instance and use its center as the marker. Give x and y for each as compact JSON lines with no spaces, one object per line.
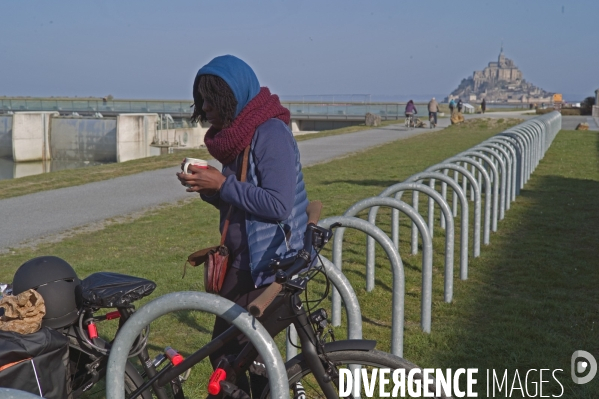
{"x":152,"y":49}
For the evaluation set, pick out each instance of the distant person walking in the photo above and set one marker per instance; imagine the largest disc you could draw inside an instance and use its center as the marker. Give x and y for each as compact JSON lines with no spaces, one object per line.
{"x":460,"y":105}
{"x":433,"y":108}
{"x":483,"y":106}
{"x":451,"y":106}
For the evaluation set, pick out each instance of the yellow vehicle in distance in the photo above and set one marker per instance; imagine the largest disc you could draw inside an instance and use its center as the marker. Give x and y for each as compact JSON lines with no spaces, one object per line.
{"x":557,"y":101}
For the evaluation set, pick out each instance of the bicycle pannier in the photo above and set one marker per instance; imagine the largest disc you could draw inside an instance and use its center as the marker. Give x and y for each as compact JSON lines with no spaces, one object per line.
{"x":35,"y":363}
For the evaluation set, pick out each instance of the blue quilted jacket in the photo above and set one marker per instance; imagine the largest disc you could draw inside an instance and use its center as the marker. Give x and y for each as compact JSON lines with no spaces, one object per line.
{"x":269,"y":215}
{"x":269,"y":240}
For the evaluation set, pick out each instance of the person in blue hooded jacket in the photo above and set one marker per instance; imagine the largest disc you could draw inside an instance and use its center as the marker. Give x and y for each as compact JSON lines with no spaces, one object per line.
{"x":268,"y":215}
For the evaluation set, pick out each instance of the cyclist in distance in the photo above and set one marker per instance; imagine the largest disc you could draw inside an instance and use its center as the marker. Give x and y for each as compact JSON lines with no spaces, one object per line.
{"x":411,"y":111}
{"x":268,"y":211}
{"x":433,"y":108}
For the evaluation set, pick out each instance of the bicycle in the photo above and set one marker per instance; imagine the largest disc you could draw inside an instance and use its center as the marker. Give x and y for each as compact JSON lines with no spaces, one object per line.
{"x":431,"y":118}
{"x":88,"y":353}
{"x":316,"y":370}
{"x":410,"y":121}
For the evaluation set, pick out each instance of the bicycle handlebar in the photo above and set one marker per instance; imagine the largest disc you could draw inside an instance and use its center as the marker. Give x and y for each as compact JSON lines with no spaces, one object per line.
{"x":259,"y":305}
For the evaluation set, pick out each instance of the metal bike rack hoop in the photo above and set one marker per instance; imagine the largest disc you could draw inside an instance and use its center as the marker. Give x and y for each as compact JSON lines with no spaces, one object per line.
{"x":491,"y":188}
{"x":396,"y":268}
{"x":477,"y":198}
{"x":505,"y":161}
{"x":449,"y":235}
{"x":191,"y":300}
{"x":463,"y":220}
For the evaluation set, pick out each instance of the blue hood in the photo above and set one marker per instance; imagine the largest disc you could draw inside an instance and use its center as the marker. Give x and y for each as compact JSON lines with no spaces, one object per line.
{"x":239,"y":76}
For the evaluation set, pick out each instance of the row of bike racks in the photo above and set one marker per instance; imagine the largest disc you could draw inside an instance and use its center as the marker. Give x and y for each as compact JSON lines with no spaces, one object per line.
{"x":500,"y":166}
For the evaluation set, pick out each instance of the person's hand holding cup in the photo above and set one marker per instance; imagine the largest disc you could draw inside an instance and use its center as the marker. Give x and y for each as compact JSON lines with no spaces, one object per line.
{"x":200,"y":163}
{"x":199,"y":177}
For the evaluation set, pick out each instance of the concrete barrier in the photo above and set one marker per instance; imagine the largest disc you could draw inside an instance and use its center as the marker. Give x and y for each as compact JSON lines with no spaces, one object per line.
{"x":83,"y":139}
{"x":41,"y":136}
{"x":134,"y":133}
{"x":30,"y":136}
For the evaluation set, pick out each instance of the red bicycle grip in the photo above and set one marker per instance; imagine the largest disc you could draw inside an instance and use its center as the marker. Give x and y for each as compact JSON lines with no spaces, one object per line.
{"x":215,"y":379}
{"x":113,"y":315}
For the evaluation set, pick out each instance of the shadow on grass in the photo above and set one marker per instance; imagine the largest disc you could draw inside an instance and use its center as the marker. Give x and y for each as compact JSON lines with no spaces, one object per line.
{"x":535,"y":298}
{"x":188,"y":318}
{"x":376,"y":322}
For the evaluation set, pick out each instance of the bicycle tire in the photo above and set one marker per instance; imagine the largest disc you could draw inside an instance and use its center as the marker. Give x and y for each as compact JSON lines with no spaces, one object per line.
{"x":298,"y":370}
{"x":133,"y":379}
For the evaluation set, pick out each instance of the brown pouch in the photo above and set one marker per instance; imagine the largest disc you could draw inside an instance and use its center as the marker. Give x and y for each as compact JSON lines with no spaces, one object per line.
{"x":201,"y":256}
{"x":216,"y":264}
{"x":215,"y":269}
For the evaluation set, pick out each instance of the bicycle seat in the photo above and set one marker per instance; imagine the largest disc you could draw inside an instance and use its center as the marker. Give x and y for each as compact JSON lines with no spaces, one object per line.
{"x":111,"y":290}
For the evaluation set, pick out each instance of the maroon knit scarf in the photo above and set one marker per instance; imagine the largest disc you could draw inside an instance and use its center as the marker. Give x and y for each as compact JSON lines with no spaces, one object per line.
{"x":226,"y":144}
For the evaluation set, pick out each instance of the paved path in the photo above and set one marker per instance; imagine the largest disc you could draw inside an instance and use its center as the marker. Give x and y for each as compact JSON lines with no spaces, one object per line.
{"x":31,"y":217}
{"x":570,"y":122}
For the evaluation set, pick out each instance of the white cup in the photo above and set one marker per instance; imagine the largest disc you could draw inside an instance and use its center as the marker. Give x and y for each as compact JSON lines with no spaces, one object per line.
{"x":200,"y":163}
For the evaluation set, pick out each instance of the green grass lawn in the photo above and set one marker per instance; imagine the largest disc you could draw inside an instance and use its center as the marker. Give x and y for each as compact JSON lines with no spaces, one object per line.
{"x":530,"y":301}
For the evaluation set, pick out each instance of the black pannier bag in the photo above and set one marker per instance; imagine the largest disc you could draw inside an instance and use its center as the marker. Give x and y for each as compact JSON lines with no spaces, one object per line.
{"x":36,"y":363}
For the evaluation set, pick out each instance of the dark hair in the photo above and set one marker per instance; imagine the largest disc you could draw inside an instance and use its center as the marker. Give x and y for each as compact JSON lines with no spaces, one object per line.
{"x":219,"y":93}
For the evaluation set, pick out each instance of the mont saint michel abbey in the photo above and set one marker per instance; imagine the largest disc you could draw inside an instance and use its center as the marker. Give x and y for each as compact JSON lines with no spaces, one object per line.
{"x":500,"y":82}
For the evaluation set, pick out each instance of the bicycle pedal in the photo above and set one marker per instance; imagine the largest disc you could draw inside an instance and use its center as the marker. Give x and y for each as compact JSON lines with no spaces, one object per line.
{"x":258,"y":369}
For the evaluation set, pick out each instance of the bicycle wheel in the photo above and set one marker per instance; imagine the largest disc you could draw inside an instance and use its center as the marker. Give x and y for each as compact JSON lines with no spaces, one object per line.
{"x":299,"y":372}
{"x":80,"y":378}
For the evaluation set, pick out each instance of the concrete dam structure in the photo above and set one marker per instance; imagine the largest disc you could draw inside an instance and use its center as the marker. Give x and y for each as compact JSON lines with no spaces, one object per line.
{"x":43,"y":136}
{"x":39,"y":135}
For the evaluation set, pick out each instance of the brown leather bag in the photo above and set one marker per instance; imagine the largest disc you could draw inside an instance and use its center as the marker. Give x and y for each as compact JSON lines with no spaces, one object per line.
{"x":216,"y":259}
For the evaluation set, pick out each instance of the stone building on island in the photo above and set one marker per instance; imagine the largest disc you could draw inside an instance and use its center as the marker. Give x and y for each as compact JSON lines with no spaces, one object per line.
{"x":500,"y":82}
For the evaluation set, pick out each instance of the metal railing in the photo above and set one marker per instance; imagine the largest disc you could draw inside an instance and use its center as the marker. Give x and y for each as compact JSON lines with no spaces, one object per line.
{"x":96,"y":105}
{"x":332,"y":110}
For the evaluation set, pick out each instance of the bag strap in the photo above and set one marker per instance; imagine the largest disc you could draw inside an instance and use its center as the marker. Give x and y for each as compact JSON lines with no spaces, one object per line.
{"x":241,"y":178}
